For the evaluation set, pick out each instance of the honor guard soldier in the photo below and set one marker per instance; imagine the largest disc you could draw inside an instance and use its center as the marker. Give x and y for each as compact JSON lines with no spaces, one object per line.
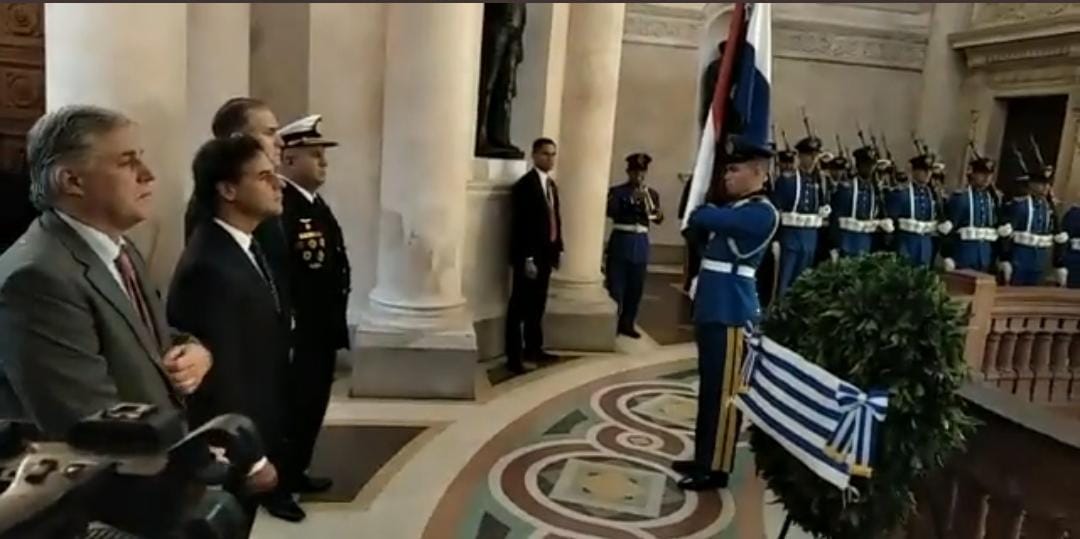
{"x":1033,"y":222}
{"x":856,"y":208}
{"x":725,"y":303}
{"x":971,"y":225}
{"x":632,"y":207}
{"x":797,"y":195}
{"x":320,"y":284}
{"x":913,"y":206}
{"x":1069,"y":257}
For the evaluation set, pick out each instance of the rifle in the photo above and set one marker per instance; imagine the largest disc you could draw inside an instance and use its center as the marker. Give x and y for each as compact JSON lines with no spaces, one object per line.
{"x":806,"y":123}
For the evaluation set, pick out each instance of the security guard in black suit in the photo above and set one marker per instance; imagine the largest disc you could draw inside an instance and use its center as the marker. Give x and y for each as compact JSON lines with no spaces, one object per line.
{"x":320,"y":277}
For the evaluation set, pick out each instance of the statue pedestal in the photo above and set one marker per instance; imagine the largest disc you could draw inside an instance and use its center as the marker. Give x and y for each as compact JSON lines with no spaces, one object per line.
{"x":487,"y":250}
{"x":498,"y":171}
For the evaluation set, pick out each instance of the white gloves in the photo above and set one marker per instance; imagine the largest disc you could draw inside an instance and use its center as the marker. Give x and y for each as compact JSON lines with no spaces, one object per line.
{"x":944,"y":228}
{"x":886,"y":226}
{"x":949,"y":264}
{"x":693,"y":288}
{"x":834,"y":255}
{"x":1061,"y":275}
{"x":1061,"y":237}
{"x":1005,"y":230}
{"x":825,"y":211}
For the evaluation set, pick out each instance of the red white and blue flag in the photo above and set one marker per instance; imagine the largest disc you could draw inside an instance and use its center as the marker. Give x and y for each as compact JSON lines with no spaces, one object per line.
{"x":740,"y":103}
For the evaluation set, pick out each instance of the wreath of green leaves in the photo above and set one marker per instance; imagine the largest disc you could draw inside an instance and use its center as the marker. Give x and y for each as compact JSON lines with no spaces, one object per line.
{"x":875,"y":322}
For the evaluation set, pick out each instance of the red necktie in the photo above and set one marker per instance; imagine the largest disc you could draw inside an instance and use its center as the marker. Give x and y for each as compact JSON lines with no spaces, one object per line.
{"x":134,"y":292}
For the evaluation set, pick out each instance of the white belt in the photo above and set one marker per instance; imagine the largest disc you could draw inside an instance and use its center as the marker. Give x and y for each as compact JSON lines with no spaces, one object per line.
{"x":1028,"y":239}
{"x":801,"y":220}
{"x":918,"y":227}
{"x":970,"y":233}
{"x":727,"y":267}
{"x":633,"y":229}
{"x":854,"y":225}
{"x":1075,"y":244}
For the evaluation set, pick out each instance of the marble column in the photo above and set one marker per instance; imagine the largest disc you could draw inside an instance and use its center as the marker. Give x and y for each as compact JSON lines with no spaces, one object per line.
{"x":280,"y":56}
{"x":347,"y":59}
{"x":580,"y":315}
{"x":538,"y":105}
{"x":131,"y":58}
{"x":416,"y":337}
{"x":943,"y":120}
{"x":218,"y":64}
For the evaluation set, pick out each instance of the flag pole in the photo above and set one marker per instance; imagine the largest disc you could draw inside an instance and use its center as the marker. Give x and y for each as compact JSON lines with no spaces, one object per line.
{"x":702,"y":178}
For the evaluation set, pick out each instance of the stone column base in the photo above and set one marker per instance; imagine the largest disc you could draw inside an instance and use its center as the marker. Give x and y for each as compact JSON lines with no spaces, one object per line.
{"x":580,"y":317}
{"x":415,"y":364}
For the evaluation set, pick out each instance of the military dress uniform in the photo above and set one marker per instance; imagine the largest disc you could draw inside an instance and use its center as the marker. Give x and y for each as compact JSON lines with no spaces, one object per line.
{"x":320,"y":285}
{"x":856,"y":215}
{"x":799,"y":198}
{"x":914,"y":209}
{"x":1070,"y":250}
{"x":1034,"y":226}
{"x":725,"y":302}
{"x":971,"y":226}
{"x":628,"y":246}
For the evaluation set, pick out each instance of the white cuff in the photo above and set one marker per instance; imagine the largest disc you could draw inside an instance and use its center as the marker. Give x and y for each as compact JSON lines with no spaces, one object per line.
{"x":825,"y":211}
{"x":945,"y":227}
{"x":1005,"y":230}
{"x":258,"y":466}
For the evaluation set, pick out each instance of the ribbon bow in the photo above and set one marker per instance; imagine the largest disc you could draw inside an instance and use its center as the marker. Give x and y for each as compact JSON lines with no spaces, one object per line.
{"x":854,"y":434}
{"x":750,"y":357}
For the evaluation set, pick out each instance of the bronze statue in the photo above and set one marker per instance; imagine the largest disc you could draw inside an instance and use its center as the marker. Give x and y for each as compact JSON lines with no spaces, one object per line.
{"x":501,"y":52}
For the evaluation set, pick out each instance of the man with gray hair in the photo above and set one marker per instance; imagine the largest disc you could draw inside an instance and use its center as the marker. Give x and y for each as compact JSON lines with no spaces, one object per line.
{"x":81,"y":328}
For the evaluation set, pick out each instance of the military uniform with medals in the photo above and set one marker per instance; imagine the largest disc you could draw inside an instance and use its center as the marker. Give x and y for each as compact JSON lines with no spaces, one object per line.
{"x":320,"y":284}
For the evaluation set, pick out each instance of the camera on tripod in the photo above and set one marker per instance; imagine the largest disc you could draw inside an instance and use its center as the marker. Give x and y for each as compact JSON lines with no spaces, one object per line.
{"x":129,"y":471}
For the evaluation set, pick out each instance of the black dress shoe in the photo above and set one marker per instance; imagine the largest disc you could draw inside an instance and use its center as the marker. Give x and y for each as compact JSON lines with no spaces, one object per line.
{"x":284,"y":507}
{"x":312,"y":485}
{"x":704,"y":481}
{"x":685,"y":467}
{"x":544,"y":358}
{"x":631,"y":332}
{"x":517,"y":368}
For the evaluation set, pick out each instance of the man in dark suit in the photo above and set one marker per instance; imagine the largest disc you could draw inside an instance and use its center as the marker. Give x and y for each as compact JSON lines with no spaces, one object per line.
{"x":535,"y":247}
{"x":81,"y":327}
{"x":319,"y":282}
{"x":252,"y":117}
{"x":226,"y":294}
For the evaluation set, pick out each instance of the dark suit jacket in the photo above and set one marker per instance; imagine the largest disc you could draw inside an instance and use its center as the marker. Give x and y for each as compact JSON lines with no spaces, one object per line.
{"x":71,"y":341}
{"x":529,"y":223}
{"x":318,"y":271}
{"x":270,"y":234}
{"x":218,"y":295}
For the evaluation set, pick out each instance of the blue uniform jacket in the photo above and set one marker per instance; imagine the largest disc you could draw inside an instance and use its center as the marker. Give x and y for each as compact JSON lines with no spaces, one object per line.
{"x":1032,"y":221}
{"x":911,"y":201}
{"x":799,"y":198}
{"x":855,"y":213}
{"x":626,"y":212}
{"x":970,"y":207}
{"x":739,"y":233}
{"x":1070,"y":225}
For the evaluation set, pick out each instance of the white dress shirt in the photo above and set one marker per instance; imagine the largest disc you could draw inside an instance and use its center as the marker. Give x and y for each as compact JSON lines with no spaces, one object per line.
{"x":307,"y":194}
{"x":243,"y":239}
{"x":545,"y":183}
{"x":100,"y":243}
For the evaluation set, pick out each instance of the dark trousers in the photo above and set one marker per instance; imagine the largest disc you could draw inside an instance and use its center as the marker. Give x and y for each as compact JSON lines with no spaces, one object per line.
{"x":528,"y":299}
{"x":720,"y":350}
{"x":310,"y":377}
{"x":626,"y":284}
